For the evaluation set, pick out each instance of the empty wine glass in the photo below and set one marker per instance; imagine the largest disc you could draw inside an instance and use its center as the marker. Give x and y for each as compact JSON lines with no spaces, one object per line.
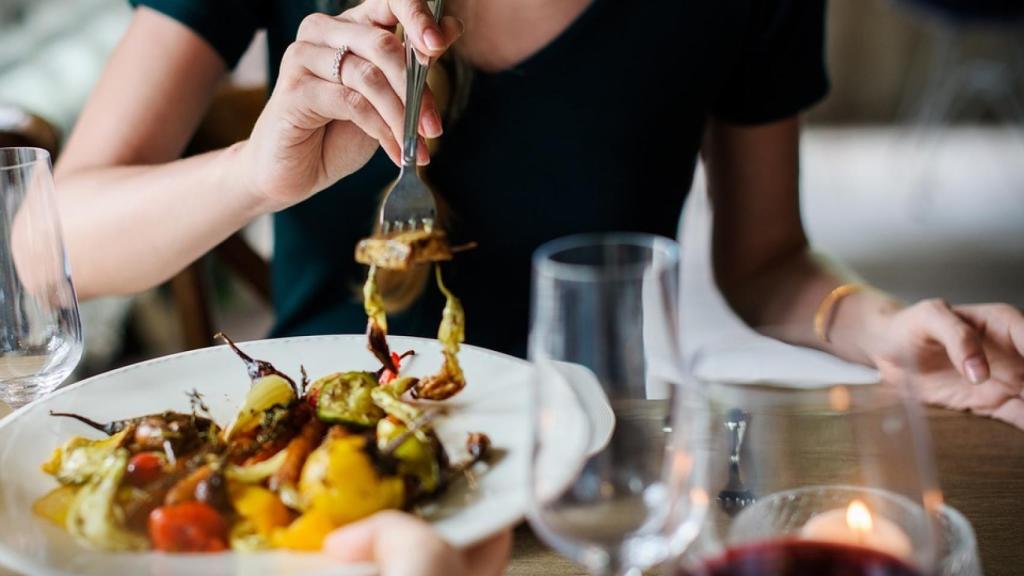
{"x":809,"y":474}
{"x":40,"y":330}
{"x":611,"y":488}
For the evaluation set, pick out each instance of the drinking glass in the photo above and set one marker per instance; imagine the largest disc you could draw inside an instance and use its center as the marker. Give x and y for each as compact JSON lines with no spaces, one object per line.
{"x":40,"y":331}
{"x":610,"y":487}
{"x":809,"y":475}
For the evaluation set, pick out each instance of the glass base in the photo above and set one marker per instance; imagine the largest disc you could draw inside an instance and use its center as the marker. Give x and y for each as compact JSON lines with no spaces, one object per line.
{"x":17,"y":392}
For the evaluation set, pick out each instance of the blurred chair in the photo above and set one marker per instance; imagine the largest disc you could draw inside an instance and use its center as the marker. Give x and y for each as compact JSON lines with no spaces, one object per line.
{"x":229,"y":119}
{"x":955,"y":77}
{"x":19,"y":127}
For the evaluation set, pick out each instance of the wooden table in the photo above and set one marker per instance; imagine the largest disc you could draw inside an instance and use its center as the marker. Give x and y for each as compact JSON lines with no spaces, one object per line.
{"x":981,"y":470}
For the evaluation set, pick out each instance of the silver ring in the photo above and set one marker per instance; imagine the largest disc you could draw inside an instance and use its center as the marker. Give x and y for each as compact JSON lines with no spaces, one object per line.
{"x":339,"y":55}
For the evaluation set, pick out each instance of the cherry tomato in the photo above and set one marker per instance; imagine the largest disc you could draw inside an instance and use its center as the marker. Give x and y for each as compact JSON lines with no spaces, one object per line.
{"x":188,"y":527}
{"x":145,"y":467}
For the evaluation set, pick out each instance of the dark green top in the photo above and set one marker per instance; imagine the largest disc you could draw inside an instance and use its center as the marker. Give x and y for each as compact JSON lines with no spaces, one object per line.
{"x":598,"y":131}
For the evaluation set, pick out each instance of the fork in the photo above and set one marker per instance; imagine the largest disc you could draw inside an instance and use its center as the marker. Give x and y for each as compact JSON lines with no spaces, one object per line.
{"x":409,"y":204}
{"x":735,"y":496}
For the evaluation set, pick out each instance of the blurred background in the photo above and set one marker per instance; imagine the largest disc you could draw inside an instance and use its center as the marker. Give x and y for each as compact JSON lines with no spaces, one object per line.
{"x":912,"y":170}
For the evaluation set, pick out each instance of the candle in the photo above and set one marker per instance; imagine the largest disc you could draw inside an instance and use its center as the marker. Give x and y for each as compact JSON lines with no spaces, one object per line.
{"x":856,"y":526}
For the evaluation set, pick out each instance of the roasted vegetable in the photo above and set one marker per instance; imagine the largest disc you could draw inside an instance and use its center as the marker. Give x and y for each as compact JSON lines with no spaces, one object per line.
{"x":452,"y":332}
{"x":178,"y":432}
{"x":345,"y":398}
{"x":307,"y":532}
{"x":56,"y":504}
{"x":296,"y":453}
{"x":259,"y":507}
{"x":79,"y":459}
{"x":257,"y":369}
{"x":93,"y":518}
{"x":417,"y":458}
{"x":258,"y":472}
{"x":266,"y":393}
{"x":385,"y":376}
{"x":145,"y":467}
{"x":342,"y":481}
{"x":184,"y":490}
{"x":376,"y":322}
{"x":188,"y":527}
{"x":400,"y":251}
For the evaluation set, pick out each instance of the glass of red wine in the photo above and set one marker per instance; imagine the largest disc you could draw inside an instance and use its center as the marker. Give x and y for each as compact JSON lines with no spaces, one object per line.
{"x":811,"y":470}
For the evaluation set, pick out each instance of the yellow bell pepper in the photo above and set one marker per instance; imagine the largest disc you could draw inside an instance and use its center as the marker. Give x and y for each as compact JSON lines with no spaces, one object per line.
{"x":307,"y":532}
{"x":261,"y":507}
{"x":340,"y":481}
{"x":54,"y":505}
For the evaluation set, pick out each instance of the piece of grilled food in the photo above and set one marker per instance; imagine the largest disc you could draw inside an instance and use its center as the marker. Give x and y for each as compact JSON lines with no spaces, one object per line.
{"x":402,"y":250}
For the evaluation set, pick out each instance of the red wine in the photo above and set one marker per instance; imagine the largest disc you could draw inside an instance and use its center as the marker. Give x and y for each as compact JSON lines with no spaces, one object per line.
{"x":801,"y":558}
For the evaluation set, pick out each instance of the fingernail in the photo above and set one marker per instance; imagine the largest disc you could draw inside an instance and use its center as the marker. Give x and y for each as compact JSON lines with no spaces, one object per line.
{"x":433,"y":127}
{"x":976,"y":370}
{"x":462,"y":26}
{"x":433,"y":39}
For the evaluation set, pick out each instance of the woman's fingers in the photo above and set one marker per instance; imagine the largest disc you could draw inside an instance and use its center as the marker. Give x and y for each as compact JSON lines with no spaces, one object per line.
{"x":1011,"y":412}
{"x":414,"y":16}
{"x":1003,"y":323}
{"x":489,"y":558}
{"x":378,"y":46}
{"x":357,"y":75}
{"x":961,"y":341}
{"x":373,"y":540}
{"x":332,"y":101}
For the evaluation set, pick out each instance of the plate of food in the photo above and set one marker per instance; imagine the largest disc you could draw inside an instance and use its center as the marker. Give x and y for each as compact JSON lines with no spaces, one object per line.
{"x":240,"y":459}
{"x":189,"y":447}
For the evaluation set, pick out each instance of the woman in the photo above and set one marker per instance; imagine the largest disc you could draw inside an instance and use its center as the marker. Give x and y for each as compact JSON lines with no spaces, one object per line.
{"x":580,"y":115}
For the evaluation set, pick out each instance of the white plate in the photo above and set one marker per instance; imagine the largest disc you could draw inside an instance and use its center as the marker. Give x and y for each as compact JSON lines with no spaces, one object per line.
{"x":496,"y":402}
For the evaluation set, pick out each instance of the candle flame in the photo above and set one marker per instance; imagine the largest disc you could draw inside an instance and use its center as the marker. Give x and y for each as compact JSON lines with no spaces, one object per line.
{"x":858,"y":517}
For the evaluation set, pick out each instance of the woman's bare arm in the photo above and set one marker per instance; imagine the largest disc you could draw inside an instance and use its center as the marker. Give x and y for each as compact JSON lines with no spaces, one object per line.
{"x":763,"y":264}
{"x":132,"y":215}
{"x":963,"y":357}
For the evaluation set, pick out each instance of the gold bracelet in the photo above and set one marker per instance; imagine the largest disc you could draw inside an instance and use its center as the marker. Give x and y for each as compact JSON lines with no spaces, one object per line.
{"x":823,"y":317}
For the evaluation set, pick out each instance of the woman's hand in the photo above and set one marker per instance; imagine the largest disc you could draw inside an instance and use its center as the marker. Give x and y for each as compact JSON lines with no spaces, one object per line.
{"x":314,"y":130}
{"x":960,"y":357}
{"x":402,"y":545}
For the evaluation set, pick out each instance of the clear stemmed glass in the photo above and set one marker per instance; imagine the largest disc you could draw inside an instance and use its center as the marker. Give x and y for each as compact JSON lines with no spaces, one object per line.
{"x":611,"y":486}
{"x":40,"y":330}
{"x":807,"y":474}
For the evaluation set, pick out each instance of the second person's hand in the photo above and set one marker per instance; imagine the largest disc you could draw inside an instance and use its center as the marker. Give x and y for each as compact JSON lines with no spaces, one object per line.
{"x":322,"y":124}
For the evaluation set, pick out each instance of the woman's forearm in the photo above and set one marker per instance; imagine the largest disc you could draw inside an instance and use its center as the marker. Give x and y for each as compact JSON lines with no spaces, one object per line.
{"x":129,"y":228}
{"x":785,"y":298}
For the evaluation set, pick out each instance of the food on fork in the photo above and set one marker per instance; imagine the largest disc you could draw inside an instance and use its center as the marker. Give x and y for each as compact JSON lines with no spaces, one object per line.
{"x":402,"y":250}
{"x":418,"y":246}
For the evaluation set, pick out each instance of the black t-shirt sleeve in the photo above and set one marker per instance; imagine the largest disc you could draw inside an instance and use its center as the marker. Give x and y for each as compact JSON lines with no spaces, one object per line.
{"x":780,"y":69}
{"x":226,"y":25}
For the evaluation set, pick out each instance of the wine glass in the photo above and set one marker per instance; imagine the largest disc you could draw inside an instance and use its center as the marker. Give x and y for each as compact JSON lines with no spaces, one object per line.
{"x":610,"y":487}
{"x":40,"y":330}
{"x":810,"y":475}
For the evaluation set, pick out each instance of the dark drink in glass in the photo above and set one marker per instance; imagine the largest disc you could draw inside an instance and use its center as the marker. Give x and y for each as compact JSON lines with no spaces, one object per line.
{"x":802,"y":558}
